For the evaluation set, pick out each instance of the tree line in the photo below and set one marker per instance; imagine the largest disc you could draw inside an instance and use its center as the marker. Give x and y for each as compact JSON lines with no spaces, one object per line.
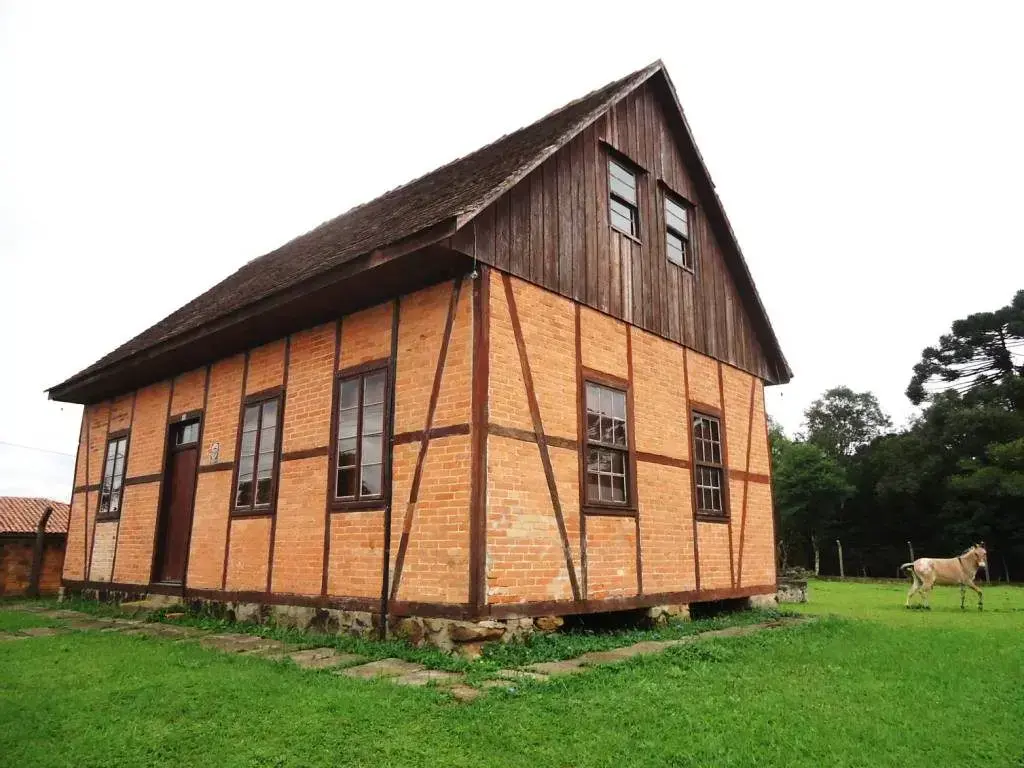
{"x":954,"y":475}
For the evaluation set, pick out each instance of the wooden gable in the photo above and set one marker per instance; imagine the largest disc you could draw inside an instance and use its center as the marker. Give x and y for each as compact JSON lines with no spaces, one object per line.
{"x":552,"y":228}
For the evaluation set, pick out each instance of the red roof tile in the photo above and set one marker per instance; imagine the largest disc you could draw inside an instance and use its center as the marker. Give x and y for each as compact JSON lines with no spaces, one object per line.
{"x":21,"y":515}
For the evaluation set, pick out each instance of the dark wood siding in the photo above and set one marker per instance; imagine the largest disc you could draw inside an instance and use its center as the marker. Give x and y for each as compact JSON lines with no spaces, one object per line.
{"x":552,"y":229}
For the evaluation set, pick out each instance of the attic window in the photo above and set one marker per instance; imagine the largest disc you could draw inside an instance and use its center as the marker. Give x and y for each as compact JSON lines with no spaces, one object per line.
{"x":622,"y":199}
{"x":677,"y":233}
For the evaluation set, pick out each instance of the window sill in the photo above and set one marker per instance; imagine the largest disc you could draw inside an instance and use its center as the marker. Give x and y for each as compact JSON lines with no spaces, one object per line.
{"x":243,"y":513}
{"x":107,"y":518}
{"x":681,"y":266}
{"x":711,"y":517}
{"x":340,"y":505}
{"x":610,"y":510}
{"x":626,"y":235}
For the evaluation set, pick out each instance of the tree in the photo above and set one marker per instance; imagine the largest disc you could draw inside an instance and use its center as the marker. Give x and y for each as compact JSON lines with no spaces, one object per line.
{"x":809,"y":489}
{"x":983,"y":349}
{"x":841,"y":420}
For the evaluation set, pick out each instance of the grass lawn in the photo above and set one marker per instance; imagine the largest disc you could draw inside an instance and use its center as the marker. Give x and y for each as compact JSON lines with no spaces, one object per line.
{"x":872,"y":685}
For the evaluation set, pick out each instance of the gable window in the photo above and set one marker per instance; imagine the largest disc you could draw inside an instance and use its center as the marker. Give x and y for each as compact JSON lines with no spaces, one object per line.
{"x":622,"y":199}
{"x":113,"y":477}
{"x":257,"y":455}
{"x":359,"y":446}
{"x":677,"y":233}
{"x":708,"y":468}
{"x":607,"y":460}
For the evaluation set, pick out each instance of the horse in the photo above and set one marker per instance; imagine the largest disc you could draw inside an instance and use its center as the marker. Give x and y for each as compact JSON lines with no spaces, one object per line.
{"x":929,"y":571}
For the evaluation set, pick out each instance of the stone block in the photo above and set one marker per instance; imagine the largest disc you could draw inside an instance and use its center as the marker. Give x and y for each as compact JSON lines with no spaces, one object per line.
{"x":382,"y":668}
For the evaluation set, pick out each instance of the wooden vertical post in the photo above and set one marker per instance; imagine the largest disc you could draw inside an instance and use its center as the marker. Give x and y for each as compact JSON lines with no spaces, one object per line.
{"x":37,"y":553}
{"x":839,"y":545}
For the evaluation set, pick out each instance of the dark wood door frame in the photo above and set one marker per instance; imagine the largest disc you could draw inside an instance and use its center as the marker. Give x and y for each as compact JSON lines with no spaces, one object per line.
{"x":177,"y":502}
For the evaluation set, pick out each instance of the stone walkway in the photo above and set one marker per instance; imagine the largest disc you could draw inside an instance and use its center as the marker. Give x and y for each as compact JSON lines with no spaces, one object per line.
{"x":352,"y":665}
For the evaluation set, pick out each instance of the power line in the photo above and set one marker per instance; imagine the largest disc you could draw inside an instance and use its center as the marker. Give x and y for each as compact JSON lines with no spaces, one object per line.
{"x":33,"y":448}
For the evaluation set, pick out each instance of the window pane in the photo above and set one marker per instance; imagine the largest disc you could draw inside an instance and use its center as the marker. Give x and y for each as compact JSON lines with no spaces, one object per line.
{"x":618,"y":404}
{"x":269,"y":414}
{"x":248,"y":444}
{"x":607,"y":430}
{"x":265,"y":465}
{"x":676,"y":217}
{"x":593,"y":398}
{"x":618,"y":488}
{"x":593,"y":426}
{"x":716,"y":453}
{"x":263,"y":490}
{"x":350,"y":393}
{"x":115,"y":501}
{"x":594,"y":460}
{"x":346,"y":482}
{"x":252,"y":415}
{"x":593,"y":492}
{"x":268,"y":439}
{"x":108,"y":469}
{"x":618,"y":463}
{"x":619,"y":433}
{"x":243,"y":497}
{"x":626,"y":191}
{"x":373,"y":419}
{"x":712,"y":425}
{"x":621,"y":216}
{"x":622,"y":181}
{"x":104,"y":500}
{"x":373,"y":388}
{"x":122,"y":445}
{"x":676,"y":252}
{"x":605,"y":490}
{"x":371,"y":450}
{"x":371,"y":475}
{"x":348,"y":421}
{"x":347,"y":452}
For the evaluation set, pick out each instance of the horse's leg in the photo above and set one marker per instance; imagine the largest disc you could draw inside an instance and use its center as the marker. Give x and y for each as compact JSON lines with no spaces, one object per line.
{"x":981,"y":597}
{"x":963,"y":594}
{"x":927,"y":582}
{"x":913,"y":587}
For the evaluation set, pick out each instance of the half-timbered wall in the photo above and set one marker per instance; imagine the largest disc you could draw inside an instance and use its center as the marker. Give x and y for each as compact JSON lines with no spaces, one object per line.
{"x":553,"y":230}
{"x":529,"y":349}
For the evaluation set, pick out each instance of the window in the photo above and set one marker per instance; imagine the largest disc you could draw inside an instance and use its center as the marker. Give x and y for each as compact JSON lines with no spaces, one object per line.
{"x":622,"y":205}
{"x":709,"y":472}
{"x":677,"y":233}
{"x":185,"y":434}
{"x":113,"y":477}
{"x":359,"y":450}
{"x":257,"y":456}
{"x":607,"y":446}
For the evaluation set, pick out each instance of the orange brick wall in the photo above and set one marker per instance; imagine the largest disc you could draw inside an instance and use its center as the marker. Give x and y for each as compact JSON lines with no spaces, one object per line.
{"x":357,"y":553}
{"x":248,"y":555}
{"x":713,"y":544}
{"x":209,"y":530}
{"x":437,"y":561}
{"x":189,"y":389}
{"x":74,"y":560}
{"x":611,"y":557}
{"x":105,"y":539}
{"x":702,"y":375}
{"x":366,"y":335}
{"x":525,"y":560}
{"x":453,"y":401}
{"x":308,"y":398}
{"x":149,"y":431}
{"x":266,"y":367}
{"x":299,"y":533}
{"x":662,"y":425}
{"x":420,"y":329}
{"x":134,"y":563}
{"x":603,"y":342}
{"x":506,"y":392}
{"x":16,"y":556}
{"x":121,"y":412}
{"x":223,"y":409}
{"x":98,"y":420}
{"x":666,"y":528}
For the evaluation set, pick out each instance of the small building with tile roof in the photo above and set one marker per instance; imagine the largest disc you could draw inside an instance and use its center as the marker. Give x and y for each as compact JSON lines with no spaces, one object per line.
{"x":528,"y":383}
{"x":33,"y":532}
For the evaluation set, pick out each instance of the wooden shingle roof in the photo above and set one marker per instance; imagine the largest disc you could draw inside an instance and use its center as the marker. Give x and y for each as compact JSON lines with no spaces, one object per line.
{"x":20,"y":515}
{"x":454,"y":192}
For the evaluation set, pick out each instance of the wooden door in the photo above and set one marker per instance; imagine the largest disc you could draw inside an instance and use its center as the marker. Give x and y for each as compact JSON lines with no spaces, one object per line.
{"x":176,"y":509}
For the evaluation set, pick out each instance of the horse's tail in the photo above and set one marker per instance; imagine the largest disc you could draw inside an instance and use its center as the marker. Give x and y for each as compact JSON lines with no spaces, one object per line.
{"x":905,"y":566}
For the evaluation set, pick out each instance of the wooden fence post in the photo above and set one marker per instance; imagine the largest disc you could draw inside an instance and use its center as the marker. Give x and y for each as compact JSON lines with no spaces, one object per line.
{"x":839,"y":544}
{"x":37,"y":553}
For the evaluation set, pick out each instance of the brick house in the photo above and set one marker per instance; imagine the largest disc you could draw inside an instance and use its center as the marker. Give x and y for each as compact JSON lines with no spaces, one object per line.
{"x":528,"y":383}
{"x":32,"y":542}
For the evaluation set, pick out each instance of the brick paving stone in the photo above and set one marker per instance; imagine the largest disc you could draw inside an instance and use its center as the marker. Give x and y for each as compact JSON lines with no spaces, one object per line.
{"x":42,"y":631}
{"x":565,"y":667}
{"x":426,"y":676}
{"x":464,"y":692}
{"x":382,"y":668}
{"x":323,"y":658}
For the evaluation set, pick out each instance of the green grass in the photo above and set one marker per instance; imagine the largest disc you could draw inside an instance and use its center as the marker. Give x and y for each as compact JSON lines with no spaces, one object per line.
{"x":12,"y":621}
{"x":874,"y":685}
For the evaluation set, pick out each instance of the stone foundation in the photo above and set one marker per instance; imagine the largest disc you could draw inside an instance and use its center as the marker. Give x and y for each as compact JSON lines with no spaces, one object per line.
{"x":792,"y":591}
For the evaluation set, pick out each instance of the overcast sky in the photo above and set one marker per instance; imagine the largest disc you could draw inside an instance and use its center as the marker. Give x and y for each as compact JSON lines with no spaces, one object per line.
{"x":870,"y":157}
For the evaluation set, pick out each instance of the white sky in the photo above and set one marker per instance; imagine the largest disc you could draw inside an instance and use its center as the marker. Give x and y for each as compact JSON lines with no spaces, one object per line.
{"x":870,"y":157}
